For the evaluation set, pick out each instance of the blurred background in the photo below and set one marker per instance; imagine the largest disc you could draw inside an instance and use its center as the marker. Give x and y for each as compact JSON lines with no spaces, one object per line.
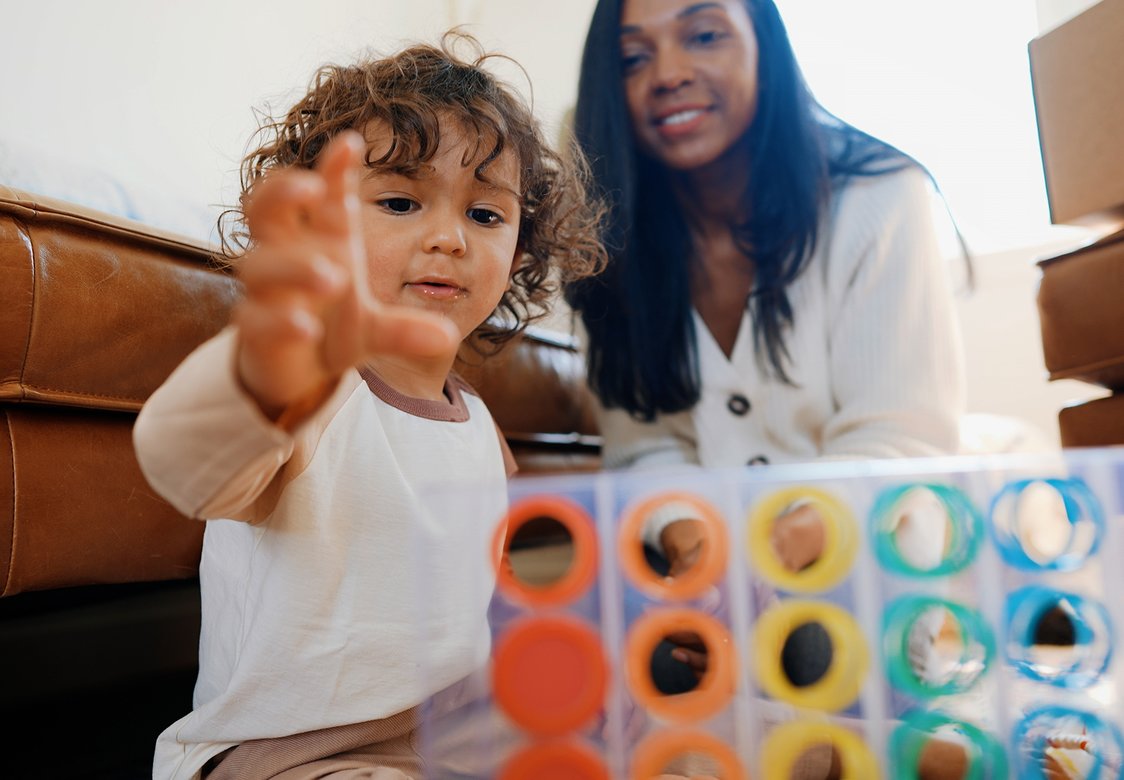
{"x":145,"y":107}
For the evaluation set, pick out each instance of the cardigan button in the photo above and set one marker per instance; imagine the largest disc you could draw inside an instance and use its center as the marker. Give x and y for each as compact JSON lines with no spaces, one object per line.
{"x":738,"y":404}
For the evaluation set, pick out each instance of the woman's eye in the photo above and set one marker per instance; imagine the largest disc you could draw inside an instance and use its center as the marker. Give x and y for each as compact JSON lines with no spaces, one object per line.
{"x":484,"y":216}
{"x":631,"y":61}
{"x":397,"y":205}
{"x":707,"y":37}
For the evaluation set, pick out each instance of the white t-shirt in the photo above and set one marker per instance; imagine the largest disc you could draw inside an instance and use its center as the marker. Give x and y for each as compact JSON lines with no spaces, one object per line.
{"x":315,"y":613}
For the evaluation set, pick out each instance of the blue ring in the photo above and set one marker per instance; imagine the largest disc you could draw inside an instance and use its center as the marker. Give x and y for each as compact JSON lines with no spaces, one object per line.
{"x":1080,"y":506}
{"x":1028,"y":757}
{"x":897,"y":620}
{"x":1025,"y":608}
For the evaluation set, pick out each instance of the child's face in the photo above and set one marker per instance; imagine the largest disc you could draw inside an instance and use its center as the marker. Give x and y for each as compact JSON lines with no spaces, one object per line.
{"x":441,"y":240}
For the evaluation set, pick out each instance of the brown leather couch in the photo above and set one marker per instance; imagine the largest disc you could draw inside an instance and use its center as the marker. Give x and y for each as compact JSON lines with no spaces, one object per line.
{"x":98,"y":593}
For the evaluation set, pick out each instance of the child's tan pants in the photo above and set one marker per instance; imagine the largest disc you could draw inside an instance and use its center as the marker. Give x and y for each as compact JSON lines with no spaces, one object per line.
{"x":376,"y":750}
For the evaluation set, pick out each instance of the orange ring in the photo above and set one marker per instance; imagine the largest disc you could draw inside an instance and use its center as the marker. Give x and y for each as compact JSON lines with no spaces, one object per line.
{"x":707,"y":570}
{"x":716,"y":687}
{"x":549,"y":674}
{"x":660,"y":748}
{"x":555,"y":761}
{"x":583,"y":569}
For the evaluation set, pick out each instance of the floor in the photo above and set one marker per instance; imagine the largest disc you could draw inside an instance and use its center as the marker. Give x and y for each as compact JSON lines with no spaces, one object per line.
{"x":97,"y":735}
{"x":92,"y":675}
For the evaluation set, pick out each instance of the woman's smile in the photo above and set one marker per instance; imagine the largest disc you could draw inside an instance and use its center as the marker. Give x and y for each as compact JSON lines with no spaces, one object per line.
{"x":680,"y":121}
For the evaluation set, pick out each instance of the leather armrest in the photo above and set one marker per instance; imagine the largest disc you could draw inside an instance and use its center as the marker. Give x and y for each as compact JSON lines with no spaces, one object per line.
{"x":96,"y":311}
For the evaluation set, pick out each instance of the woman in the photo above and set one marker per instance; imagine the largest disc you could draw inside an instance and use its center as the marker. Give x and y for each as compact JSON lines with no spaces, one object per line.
{"x":776,"y":291}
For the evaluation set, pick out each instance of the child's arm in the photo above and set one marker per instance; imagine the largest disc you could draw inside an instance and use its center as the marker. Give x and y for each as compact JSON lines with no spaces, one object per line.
{"x":213,"y":437}
{"x":308,"y":315}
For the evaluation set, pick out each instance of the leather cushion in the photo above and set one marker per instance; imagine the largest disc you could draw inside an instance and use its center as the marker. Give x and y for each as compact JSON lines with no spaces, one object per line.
{"x":534,"y":386}
{"x":75,"y":509}
{"x":96,"y":311}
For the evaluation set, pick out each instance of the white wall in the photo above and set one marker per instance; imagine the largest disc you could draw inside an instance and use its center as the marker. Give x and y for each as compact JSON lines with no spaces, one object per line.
{"x":1051,"y":13}
{"x":1003,"y":344}
{"x":160,"y":93}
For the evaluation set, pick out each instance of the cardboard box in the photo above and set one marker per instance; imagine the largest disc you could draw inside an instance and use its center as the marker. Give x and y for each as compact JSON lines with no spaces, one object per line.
{"x":1081,"y":312}
{"x":1077,"y":71}
{"x":1096,"y":423}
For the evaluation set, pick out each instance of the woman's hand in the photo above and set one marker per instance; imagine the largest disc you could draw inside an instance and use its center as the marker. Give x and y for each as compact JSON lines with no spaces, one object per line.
{"x":691,"y":650}
{"x":798,"y":537}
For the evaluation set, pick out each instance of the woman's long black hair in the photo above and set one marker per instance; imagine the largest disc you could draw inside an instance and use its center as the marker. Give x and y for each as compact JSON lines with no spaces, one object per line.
{"x":637,"y":313}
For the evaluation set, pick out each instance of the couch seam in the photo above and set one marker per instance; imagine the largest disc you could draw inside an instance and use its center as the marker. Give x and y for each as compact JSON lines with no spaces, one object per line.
{"x":15,"y":525}
{"x":26,"y":230}
{"x":86,"y":393}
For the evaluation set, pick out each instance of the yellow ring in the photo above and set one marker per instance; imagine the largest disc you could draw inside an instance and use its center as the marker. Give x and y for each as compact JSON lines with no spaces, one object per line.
{"x":840,"y":684}
{"x":787,"y":743}
{"x":840,"y":541}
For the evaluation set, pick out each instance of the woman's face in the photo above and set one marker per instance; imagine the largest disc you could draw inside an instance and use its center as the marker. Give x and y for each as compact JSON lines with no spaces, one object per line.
{"x":690,"y":77}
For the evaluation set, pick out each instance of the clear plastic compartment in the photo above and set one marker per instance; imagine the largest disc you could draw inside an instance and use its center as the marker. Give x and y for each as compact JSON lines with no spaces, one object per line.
{"x":960,"y":619}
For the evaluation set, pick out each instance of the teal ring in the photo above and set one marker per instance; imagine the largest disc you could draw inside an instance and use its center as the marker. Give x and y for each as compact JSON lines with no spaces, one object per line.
{"x":898,"y":619}
{"x":965,"y":521}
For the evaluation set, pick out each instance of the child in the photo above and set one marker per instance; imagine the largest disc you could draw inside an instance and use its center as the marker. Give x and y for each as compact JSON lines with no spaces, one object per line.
{"x":397,"y":207}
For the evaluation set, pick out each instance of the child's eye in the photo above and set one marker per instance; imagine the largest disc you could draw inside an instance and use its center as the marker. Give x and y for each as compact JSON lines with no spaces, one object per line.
{"x":397,"y":205}
{"x":484,"y":216}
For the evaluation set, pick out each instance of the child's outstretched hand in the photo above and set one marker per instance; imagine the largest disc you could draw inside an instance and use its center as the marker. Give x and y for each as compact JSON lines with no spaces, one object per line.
{"x":308,"y":314}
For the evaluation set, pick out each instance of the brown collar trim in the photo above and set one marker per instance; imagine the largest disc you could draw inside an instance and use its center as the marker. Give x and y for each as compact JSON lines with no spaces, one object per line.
{"x":453,"y":409}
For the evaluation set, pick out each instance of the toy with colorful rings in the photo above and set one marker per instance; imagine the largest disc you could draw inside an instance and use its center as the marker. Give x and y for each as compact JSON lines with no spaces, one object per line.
{"x":549,"y":674}
{"x":840,"y":683}
{"x":840,"y":540}
{"x":905,"y":615}
{"x":986,"y":758}
{"x":787,"y":744}
{"x":572,"y":760}
{"x":656,"y":753}
{"x":581,"y":572}
{"x":716,"y":686}
{"x":963,"y":520}
{"x":1089,"y":648}
{"x":697,"y":579}
{"x":1067,"y":503}
{"x":1050,"y":727}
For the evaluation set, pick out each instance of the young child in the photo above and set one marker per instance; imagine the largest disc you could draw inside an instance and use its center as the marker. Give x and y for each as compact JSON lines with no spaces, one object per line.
{"x":398,"y":206}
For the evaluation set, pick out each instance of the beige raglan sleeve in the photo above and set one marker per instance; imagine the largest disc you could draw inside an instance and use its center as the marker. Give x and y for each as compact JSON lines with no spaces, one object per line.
{"x":203,"y":444}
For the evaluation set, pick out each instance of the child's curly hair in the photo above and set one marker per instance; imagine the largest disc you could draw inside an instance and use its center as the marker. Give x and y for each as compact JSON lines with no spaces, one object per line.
{"x":411,"y":92}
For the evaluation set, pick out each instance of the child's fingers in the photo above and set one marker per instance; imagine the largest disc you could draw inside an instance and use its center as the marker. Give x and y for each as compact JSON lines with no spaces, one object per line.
{"x":281,"y":205}
{"x":291,"y":268}
{"x":268,"y":325}
{"x":340,"y":165}
{"x":394,"y":330}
